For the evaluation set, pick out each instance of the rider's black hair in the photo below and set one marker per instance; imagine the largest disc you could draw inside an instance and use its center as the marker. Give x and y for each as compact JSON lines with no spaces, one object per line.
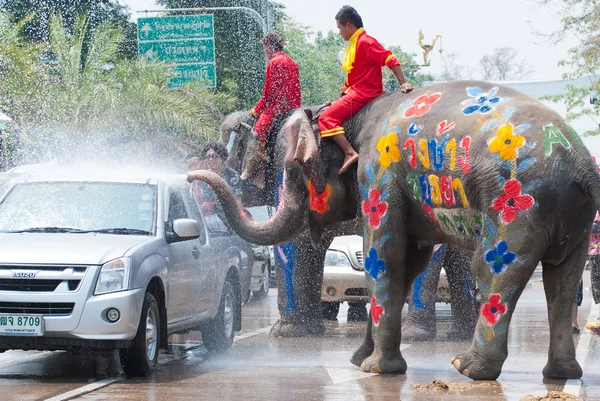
{"x":349,"y":14}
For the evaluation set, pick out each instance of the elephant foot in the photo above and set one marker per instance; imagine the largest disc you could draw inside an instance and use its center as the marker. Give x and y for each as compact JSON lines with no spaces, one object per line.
{"x":298,"y":329}
{"x":357,"y":312}
{"x":413,"y":332}
{"x":361,"y":354}
{"x":460,"y":334}
{"x":562,"y":369}
{"x":477,"y":367}
{"x":377,"y":363}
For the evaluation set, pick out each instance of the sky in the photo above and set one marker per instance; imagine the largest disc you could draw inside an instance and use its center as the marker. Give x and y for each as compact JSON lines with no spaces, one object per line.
{"x":470,"y":28}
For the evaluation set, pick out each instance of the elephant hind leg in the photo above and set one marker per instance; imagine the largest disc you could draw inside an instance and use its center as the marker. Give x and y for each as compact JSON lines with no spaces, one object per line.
{"x":560,"y":284}
{"x":502,"y":279}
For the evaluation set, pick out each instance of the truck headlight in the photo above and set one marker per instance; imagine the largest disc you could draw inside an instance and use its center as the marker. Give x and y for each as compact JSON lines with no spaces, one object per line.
{"x":337,"y":259}
{"x":114,"y":276}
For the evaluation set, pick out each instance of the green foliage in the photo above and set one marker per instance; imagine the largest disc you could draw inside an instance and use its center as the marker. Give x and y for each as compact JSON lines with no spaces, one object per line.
{"x":412,"y":72}
{"x":37,"y":27}
{"x":582,"y":18}
{"x":94,"y":96}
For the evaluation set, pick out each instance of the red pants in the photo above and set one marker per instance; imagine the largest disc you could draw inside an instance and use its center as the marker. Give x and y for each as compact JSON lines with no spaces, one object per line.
{"x":330,"y":122}
{"x":263,"y":125}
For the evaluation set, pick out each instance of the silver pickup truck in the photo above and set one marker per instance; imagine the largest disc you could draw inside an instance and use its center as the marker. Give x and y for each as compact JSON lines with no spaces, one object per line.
{"x":115,"y":261}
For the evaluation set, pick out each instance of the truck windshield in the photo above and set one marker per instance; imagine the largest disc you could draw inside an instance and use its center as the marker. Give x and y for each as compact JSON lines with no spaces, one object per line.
{"x":80,"y":207}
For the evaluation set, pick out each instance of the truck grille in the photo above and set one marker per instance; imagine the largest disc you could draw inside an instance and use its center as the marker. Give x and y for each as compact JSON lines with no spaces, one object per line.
{"x":37,"y":308}
{"x":359,"y":257}
{"x":7,"y":284}
{"x":44,"y":278}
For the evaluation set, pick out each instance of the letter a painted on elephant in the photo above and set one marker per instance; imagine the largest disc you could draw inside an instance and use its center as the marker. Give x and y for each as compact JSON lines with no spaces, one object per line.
{"x":552,"y":135}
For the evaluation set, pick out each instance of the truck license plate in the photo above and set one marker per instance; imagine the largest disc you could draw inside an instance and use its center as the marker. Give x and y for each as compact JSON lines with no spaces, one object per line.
{"x":21,"y":325}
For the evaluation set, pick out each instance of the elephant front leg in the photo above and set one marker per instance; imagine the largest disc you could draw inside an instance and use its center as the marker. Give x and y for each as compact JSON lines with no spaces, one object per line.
{"x":503,"y":276}
{"x":299,"y":281}
{"x":420,"y":323}
{"x":390,"y":273}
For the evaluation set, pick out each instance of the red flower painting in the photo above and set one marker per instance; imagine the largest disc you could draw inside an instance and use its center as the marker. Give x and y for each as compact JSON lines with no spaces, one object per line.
{"x":318,"y":202}
{"x":376,"y":310}
{"x":493,"y":310}
{"x":422,"y":105}
{"x":512,"y":201}
{"x":374,"y":209}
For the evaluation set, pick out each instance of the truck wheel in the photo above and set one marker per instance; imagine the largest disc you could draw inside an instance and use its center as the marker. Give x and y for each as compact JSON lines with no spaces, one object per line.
{"x":217,"y":334}
{"x":141,"y":357}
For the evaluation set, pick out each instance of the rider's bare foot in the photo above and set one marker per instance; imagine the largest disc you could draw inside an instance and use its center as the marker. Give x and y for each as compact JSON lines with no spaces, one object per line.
{"x":349,"y":160}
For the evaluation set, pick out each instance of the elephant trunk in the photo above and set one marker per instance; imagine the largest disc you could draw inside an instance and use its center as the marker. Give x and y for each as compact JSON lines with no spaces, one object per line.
{"x":289,"y":221}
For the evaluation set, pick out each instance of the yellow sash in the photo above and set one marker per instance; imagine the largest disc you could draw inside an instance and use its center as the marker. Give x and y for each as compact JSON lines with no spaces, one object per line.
{"x":351,"y":51}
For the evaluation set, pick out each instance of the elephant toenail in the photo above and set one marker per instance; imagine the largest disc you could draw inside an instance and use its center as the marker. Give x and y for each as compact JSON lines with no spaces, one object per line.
{"x":465,"y":372}
{"x":456,"y":363}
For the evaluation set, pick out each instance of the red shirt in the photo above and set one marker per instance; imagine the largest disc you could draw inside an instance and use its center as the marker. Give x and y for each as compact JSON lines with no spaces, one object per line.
{"x":282,"y":86}
{"x":366,"y":77}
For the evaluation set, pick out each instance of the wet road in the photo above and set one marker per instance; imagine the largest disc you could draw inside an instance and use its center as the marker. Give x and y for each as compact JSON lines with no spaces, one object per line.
{"x":261,"y":368}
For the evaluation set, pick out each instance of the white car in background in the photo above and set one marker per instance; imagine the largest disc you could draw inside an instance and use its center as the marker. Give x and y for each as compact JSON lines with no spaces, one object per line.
{"x":344,"y":278}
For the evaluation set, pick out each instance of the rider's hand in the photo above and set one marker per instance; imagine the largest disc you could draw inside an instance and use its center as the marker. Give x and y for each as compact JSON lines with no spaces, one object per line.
{"x":406,"y":87}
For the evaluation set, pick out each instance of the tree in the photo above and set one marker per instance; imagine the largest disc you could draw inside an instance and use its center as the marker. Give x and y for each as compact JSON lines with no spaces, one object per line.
{"x":581,"y":18}
{"x":98,"y":11}
{"x":504,"y":64}
{"x":96,"y":98}
{"x":451,"y":70}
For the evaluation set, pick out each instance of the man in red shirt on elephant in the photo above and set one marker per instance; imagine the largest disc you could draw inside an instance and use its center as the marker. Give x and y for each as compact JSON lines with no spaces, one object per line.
{"x":363,"y":61}
{"x":281,"y":94}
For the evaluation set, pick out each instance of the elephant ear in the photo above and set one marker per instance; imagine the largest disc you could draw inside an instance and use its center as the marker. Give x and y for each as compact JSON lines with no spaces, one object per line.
{"x":307,"y":149}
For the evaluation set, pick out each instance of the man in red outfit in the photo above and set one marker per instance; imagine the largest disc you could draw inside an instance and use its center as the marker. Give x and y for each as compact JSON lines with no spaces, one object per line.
{"x":280,"y":95}
{"x":363,"y":61}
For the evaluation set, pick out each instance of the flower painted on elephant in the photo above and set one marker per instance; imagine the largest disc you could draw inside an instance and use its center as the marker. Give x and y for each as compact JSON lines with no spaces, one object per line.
{"x":506,"y":143}
{"x":493,"y":309}
{"x":388,"y":150}
{"x":480,"y":101}
{"x":374,"y":209}
{"x":318,"y":202}
{"x":412,"y":158}
{"x":499,"y":257}
{"x":422,"y":105}
{"x":444,"y":127}
{"x":374,"y":265}
{"x":512,"y":201}
{"x":376,"y":310}
{"x":414,"y":129}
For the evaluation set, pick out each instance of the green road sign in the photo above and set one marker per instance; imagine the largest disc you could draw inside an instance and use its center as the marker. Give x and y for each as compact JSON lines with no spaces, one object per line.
{"x":176,"y":27}
{"x":180,"y":51}
{"x":185,"y":40}
{"x":194,"y":72}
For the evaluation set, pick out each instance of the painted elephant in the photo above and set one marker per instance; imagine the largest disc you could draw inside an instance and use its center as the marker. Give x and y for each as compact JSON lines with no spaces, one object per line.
{"x":420,"y":323}
{"x":467,"y":163}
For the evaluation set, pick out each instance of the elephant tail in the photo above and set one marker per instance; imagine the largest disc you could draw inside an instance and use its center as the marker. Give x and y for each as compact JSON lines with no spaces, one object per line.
{"x":588,"y":176}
